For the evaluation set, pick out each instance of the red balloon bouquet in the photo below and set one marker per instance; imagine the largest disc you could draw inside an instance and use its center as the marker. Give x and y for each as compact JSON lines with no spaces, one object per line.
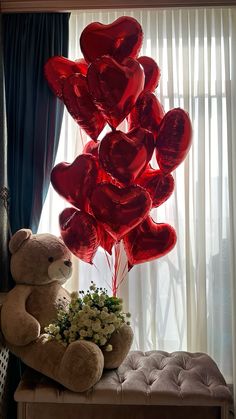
{"x":112,"y":183}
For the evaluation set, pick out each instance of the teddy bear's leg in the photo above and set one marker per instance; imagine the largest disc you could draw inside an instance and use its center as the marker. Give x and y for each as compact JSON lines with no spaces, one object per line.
{"x":82,"y":365}
{"x":121,"y":342}
{"x":78,"y":366}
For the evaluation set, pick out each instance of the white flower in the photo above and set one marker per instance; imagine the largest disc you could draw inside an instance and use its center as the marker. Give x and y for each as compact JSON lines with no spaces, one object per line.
{"x":89,"y":333}
{"x":103,"y":315}
{"x":73,"y":327}
{"x":108,"y":348}
{"x":110,"y":328}
{"x":53,"y":329}
{"x":102,"y":341}
{"x":96,"y":325}
{"x":112,"y":318}
{"x":88,"y":322}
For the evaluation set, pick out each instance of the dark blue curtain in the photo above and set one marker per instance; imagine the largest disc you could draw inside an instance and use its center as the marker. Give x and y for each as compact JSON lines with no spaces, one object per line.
{"x":34,"y":114}
{"x":4,"y":233}
{"x":34,"y":118}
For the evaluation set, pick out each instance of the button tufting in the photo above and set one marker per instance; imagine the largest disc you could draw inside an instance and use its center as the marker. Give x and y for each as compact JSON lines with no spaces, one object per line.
{"x":148,"y":385}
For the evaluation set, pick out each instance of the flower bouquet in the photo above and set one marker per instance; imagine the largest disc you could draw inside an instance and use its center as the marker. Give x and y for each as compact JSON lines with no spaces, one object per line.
{"x":91,"y":315}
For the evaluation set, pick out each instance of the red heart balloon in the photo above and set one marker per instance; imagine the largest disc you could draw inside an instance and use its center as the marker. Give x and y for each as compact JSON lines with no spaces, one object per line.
{"x":119,"y":209}
{"x":152,"y":73}
{"x":147,"y":113}
{"x":120,"y":39}
{"x":158,"y":185}
{"x":125,"y":156}
{"x":79,"y":232}
{"x":80,"y":105}
{"x":75,"y":181}
{"x":115,"y":87}
{"x":58,"y":68}
{"x":149,"y":241}
{"x":174,"y":139}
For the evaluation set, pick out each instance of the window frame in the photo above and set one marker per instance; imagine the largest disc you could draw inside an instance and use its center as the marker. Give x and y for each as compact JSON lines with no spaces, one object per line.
{"x":17,"y":6}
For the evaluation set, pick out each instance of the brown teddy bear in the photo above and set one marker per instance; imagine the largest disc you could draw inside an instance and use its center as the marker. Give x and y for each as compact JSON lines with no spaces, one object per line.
{"x":40,"y":264}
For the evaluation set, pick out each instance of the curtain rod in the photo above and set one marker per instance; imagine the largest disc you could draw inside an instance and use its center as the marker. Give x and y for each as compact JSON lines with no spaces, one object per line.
{"x":17,"y":6}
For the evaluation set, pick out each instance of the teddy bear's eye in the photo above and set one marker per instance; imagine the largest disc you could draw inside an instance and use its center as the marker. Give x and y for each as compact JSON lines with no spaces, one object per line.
{"x":50,"y":259}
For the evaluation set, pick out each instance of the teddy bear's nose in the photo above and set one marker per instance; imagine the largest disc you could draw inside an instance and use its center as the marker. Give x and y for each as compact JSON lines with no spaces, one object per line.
{"x":68,"y":263}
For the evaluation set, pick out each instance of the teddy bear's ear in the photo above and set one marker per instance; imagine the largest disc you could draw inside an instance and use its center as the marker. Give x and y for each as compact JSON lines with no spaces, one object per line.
{"x":18,"y":238}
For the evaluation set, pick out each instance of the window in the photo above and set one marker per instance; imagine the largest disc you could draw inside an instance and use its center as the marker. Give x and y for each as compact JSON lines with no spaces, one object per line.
{"x":183,"y":300}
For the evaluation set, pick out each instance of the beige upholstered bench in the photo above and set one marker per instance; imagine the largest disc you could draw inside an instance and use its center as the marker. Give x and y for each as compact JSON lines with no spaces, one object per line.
{"x":155,"y":384}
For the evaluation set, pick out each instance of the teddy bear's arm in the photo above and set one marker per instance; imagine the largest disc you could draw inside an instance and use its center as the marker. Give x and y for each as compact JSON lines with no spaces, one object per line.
{"x":18,"y":327}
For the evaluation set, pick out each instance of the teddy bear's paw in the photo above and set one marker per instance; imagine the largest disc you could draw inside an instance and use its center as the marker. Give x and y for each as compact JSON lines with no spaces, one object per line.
{"x":21,"y":336}
{"x":81,"y":366}
{"x":121,"y":342}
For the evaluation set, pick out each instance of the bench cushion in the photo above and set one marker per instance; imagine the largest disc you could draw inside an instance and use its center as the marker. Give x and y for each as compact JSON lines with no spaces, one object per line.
{"x":144,"y":378}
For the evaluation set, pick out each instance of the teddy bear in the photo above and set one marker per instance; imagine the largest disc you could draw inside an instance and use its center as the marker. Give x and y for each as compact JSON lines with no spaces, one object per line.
{"x":40,"y":264}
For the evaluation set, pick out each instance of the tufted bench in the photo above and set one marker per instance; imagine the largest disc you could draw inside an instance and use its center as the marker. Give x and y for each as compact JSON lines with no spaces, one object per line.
{"x":155,"y":384}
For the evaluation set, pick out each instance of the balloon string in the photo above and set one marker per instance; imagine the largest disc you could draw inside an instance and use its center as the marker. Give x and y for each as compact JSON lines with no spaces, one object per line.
{"x":123,"y":276}
{"x":116,"y":269}
{"x":117,"y":277}
{"x":108,"y":261}
{"x":99,"y":272}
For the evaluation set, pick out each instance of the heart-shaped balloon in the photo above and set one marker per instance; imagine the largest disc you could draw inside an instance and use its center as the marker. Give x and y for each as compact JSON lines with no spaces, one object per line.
{"x":158,"y":185}
{"x":174,"y":139}
{"x":79,"y":232}
{"x":80,"y":105}
{"x":152,"y":73}
{"x":75,"y":181}
{"x":147,"y":113}
{"x":115,"y":87}
{"x":58,"y":68}
{"x":119,"y":39}
{"x":119,"y":209}
{"x":149,"y":241}
{"x":125,"y":156}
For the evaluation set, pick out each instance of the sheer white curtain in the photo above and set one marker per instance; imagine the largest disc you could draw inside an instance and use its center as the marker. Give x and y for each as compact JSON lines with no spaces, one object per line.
{"x":185,"y":300}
